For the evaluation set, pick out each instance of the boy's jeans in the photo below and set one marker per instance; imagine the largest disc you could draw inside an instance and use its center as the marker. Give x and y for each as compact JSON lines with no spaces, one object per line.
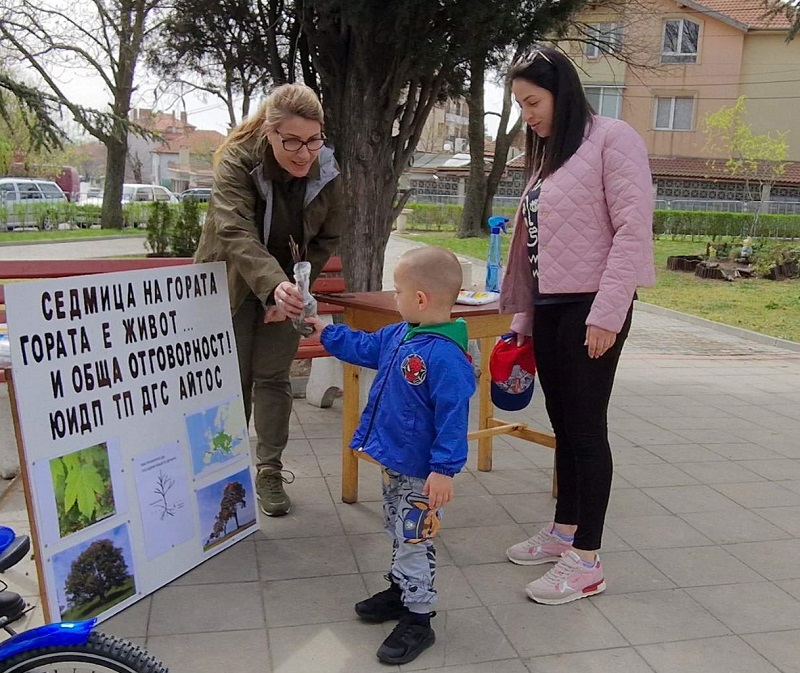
{"x":411,"y":525}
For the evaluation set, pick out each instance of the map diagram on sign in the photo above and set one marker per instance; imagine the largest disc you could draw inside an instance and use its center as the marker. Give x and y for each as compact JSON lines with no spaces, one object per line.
{"x":217,"y":435}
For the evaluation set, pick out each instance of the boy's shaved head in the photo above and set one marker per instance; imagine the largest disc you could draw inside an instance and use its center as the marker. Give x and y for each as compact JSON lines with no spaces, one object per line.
{"x":433,"y":270}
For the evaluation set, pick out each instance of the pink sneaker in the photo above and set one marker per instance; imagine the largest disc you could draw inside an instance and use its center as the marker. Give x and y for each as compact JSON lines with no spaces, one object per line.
{"x":544,"y":547}
{"x":567,"y":581}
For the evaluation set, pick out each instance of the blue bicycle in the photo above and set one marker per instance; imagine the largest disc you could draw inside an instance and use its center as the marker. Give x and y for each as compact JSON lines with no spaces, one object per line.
{"x":69,"y":646}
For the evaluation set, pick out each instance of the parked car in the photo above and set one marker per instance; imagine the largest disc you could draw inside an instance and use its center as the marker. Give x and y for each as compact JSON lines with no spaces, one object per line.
{"x":137,"y":193}
{"x":200,"y":194}
{"x":23,"y":202}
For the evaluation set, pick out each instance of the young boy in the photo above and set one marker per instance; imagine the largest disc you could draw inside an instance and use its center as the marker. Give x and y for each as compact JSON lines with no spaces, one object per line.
{"x":415,"y":426}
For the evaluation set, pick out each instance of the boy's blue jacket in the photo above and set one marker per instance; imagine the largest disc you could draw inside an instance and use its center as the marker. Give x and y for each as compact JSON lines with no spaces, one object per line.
{"x":417,"y":414}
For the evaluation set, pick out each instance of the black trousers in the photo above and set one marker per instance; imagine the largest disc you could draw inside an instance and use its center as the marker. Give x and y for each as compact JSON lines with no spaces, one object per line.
{"x":577,"y":390}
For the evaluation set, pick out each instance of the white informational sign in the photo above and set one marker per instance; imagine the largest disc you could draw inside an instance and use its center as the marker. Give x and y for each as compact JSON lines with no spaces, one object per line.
{"x":136,"y":445}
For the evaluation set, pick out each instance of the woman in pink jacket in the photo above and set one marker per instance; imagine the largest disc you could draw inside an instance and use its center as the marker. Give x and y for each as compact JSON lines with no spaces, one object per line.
{"x":582,"y":244}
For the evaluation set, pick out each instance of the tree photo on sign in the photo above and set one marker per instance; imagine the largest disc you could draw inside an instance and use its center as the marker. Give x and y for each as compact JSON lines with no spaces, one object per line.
{"x":82,"y":488}
{"x":95,"y":575}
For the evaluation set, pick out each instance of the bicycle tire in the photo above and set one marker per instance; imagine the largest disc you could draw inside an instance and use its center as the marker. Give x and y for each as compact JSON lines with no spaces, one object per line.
{"x":100,"y":654}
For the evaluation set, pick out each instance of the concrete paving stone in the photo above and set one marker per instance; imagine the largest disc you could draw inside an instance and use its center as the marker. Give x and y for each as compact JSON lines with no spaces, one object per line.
{"x":760,"y":494}
{"x":504,"y":666}
{"x":727,"y":654}
{"x":750,"y":608}
{"x":131,"y":622}
{"x":657,"y":532}
{"x":791,"y":587}
{"x":659,"y":617}
{"x":236,"y":564}
{"x":699,"y":566}
{"x":621,"y":660}
{"x":633,"y":455}
{"x":509,"y":459}
{"x":322,"y":431}
{"x":650,"y":437}
{"x":463,"y":637}
{"x":302,"y":466}
{"x":527,"y":508}
{"x":536,"y":630}
{"x":481,"y":544}
{"x":304,"y":557}
{"x":775,"y":560}
{"x":654,"y":475}
{"x":793,"y":486}
{"x":709,"y":437}
{"x":682,"y":453}
{"x":205,"y":608}
{"x":213,"y":652}
{"x":482,"y":510}
{"x":361,"y":517}
{"x":308,"y":491}
{"x":312,"y":600}
{"x":369,"y":485}
{"x":629,"y":572}
{"x":304,"y":520}
{"x":467,"y":483}
{"x":682,"y":499}
{"x":730,"y":526}
{"x":743,"y":451}
{"x":633,"y":501}
{"x":782,"y":649}
{"x":327,"y":446}
{"x":786,"y":518}
{"x":501,"y":583}
{"x":718,"y":471}
{"x":504,"y":482}
{"x":338,"y":647}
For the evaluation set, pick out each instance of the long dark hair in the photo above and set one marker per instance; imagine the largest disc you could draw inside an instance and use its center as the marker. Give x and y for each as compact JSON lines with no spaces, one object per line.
{"x":551,"y":70}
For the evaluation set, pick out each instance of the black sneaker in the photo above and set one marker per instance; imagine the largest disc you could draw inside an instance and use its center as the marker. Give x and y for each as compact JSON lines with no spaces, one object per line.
{"x":412,"y":635}
{"x":383,"y":606}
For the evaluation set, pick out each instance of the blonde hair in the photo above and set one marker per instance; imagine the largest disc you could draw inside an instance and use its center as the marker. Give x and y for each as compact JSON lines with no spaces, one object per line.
{"x":287,"y":100}
{"x":433,"y":270}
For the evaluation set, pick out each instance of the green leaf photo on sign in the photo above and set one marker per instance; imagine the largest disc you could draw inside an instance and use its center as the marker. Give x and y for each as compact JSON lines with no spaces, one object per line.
{"x":82,"y":488}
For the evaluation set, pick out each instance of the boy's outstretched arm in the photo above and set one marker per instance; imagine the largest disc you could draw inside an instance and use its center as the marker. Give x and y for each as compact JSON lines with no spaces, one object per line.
{"x":349,"y":345}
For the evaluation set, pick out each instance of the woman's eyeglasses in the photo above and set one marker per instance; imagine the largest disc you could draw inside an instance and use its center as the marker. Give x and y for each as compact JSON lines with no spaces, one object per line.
{"x":294,"y":144}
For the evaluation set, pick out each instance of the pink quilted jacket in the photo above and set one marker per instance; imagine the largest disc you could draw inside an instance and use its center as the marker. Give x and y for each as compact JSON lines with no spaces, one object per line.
{"x":595,"y":230}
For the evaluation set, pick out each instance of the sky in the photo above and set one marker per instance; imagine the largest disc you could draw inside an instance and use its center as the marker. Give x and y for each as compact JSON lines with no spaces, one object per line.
{"x":208,"y":112}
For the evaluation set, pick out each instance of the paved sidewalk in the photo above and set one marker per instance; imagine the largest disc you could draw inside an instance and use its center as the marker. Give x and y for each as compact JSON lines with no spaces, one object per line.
{"x":701,"y":547}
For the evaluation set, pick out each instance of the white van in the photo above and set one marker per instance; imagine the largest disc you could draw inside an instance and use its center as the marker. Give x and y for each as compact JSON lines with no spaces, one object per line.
{"x":21,"y":201}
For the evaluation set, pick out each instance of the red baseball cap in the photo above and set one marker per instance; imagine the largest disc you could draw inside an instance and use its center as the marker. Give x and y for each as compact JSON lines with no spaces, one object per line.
{"x":512,"y":369}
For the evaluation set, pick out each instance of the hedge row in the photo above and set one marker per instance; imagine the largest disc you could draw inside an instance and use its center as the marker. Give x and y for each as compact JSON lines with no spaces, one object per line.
{"x":428,"y":217}
{"x":50,"y":215}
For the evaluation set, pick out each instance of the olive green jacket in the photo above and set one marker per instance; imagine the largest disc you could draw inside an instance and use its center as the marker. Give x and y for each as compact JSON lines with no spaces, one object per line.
{"x":231,"y":233}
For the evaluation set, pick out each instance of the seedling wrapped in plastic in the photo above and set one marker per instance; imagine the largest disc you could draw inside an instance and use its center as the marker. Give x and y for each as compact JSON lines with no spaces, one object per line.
{"x":302,"y":278}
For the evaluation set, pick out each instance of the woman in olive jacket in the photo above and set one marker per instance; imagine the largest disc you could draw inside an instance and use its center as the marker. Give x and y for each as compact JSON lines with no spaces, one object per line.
{"x":275,"y":181}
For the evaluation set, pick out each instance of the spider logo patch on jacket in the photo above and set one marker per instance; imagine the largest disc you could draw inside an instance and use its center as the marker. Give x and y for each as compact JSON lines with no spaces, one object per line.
{"x":414,"y":369}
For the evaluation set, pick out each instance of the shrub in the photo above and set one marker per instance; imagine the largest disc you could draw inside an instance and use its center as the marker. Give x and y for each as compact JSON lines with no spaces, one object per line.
{"x":185,"y":232}
{"x":433,"y":217}
{"x":159,"y":224}
{"x":713,"y":225}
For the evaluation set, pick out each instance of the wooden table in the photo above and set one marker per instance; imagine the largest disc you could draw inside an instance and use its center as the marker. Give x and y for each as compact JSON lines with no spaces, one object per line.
{"x":369,"y":311}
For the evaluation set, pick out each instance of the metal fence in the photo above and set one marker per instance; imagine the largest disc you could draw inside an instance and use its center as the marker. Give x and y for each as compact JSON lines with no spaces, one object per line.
{"x":694,"y":205}
{"x":710,"y":205}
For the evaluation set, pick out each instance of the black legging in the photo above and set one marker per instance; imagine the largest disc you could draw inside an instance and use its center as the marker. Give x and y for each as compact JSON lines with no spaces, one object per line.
{"x":577,"y":390}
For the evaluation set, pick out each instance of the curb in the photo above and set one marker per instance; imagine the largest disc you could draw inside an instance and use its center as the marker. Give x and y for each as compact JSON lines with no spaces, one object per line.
{"x":721,"y":327}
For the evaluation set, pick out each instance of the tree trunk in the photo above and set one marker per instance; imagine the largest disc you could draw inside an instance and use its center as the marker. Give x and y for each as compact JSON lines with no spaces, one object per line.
{"x":369,"y":195}
{"x":502,"y":144}
{"x":472,"y":217}
{"x":116,"y":151}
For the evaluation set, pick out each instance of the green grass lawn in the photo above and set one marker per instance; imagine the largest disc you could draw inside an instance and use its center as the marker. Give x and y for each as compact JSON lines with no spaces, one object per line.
{"x":765,"y":306}
{"x":72,"y":234}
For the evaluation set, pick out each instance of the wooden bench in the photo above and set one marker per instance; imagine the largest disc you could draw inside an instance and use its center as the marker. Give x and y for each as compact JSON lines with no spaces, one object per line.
{"x":330,"y":281}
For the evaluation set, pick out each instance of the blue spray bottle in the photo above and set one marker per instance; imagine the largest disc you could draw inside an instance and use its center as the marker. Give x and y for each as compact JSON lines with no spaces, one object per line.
{"x":494,"y":260}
